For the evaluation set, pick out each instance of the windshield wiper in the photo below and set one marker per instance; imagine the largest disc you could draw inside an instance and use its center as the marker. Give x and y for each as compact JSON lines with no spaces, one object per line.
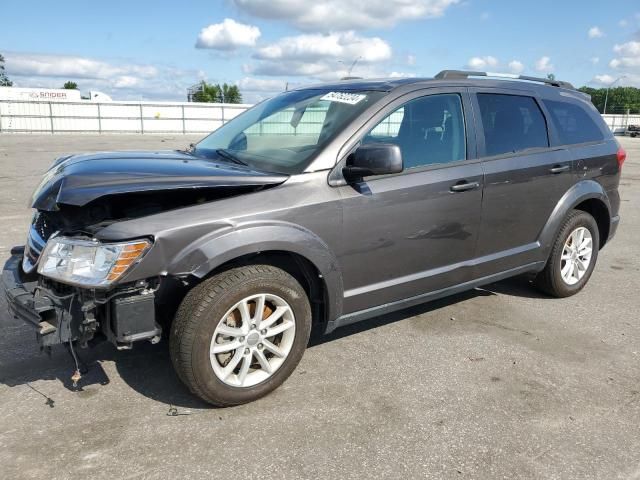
{"x":229,"y":156}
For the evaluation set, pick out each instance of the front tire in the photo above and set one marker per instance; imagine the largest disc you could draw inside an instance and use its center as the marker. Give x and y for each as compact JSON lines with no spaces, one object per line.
{"x":240,"y":334}
{"x":573,"y":256}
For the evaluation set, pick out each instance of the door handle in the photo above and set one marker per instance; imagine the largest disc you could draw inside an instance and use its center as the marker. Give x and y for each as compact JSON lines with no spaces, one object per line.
{"x":464,"y":186}
{"x":559,"y":168}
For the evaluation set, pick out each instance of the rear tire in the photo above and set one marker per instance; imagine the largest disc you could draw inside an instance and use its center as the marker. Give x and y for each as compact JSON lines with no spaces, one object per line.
{"x":572,"y":258}
{"x":223,"y":341}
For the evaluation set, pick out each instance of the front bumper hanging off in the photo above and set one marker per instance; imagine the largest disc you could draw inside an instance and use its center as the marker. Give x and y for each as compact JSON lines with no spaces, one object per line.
{"x":76,"y":314}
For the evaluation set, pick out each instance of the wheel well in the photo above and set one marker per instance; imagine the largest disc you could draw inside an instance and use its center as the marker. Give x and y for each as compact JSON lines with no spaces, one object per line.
{"x":598,"y":210}
{"x":295,"y":265}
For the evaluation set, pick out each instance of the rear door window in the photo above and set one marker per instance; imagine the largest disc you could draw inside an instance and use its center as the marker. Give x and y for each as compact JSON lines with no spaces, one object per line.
{"x":573,"y":123}
{"x":511,"y":123}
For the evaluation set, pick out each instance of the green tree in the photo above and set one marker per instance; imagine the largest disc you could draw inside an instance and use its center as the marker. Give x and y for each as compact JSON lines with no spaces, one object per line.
{"x":231,"y":94}
{"x":551,"y":77}
{"x":208,"y":93}
{"x":620,"y":100}
{"x":4,"y":80}
{"x":216,"y":93}
{"x":69,"y":85}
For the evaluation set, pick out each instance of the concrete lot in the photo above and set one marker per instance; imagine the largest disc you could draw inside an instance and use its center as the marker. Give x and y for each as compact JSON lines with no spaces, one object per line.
{"x":495,"y":383}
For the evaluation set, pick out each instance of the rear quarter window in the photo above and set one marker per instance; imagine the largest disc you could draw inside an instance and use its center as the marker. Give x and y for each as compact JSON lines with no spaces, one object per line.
{"x":573,"y":123}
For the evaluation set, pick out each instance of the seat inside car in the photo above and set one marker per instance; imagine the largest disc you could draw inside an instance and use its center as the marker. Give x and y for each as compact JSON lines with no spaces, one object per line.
{"x":425,"y":135}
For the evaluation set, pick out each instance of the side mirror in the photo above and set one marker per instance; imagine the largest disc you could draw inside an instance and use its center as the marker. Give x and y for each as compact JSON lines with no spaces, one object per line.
{"x":373,"y":159}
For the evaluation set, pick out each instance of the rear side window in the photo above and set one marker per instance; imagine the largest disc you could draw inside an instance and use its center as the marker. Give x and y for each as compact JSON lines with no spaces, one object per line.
{"x":574,"y":125}
{"x":511,"y":123}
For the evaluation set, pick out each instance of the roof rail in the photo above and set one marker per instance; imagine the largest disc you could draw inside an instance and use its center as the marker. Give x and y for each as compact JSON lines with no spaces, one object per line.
{"x":452,"y":74}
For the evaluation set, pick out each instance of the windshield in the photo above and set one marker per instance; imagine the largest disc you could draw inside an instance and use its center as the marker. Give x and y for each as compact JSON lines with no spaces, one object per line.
{"x":284,"y":134}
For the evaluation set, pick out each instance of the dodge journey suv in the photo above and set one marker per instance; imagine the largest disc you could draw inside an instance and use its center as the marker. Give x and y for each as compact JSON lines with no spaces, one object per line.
{"x":325,"y":205}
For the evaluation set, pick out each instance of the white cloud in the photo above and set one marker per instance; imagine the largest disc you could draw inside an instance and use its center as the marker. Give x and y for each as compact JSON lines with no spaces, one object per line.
{"x":126,"y":81}
{"x":595,"y":32}
{"x":628,"y":55}
{"x":401,"y":75}
{"x":411,"y":60}
{"x":340,"y":46}
{"x":319,"y":56}
{"x":605,"y":80}
{"x":251,"y":84}
{"x":228,"y":35}
{"x":595,"y":60}
{"x":340,"y":15}
{"x":628,"y":49}
{"x":516,"y":66}
{"x":544,"y":64}
{"x":480,"y":63}
{"x":484,"y":16}
{"x":255,"y":90}
{"x":623,"y":23}
{"x":491,"y":63}
{"x":71,"y":66}
{"x":122,"y":80}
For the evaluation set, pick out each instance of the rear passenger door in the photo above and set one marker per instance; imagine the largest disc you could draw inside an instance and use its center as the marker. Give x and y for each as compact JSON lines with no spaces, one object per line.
{"x":524,"y":177}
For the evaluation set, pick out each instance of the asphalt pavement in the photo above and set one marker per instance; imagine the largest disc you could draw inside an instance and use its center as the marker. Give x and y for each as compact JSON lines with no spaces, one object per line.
{"x":499,"y":382}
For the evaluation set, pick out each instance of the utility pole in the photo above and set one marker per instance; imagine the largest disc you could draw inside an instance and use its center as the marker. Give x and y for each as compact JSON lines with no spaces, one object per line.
{"x":606,"y":97}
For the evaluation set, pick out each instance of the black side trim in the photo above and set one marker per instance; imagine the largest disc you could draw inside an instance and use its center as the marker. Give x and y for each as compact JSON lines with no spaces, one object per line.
{"x":355,"y":317}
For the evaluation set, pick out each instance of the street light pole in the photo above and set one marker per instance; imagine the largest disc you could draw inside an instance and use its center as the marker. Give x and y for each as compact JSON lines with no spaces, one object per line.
{"x":606,"y":97}
{"x":353,"y":64}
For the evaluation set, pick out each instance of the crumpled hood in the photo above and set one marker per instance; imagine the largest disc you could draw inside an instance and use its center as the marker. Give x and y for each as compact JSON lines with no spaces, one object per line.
{"x":80,"y":179}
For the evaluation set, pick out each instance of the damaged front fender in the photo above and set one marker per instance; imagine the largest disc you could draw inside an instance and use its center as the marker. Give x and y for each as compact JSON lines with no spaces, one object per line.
{"x":200,"y":249}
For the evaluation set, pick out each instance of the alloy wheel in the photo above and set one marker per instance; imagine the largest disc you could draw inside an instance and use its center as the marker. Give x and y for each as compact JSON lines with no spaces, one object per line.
{"x":252,"y":340}
{"x":576,"y":255}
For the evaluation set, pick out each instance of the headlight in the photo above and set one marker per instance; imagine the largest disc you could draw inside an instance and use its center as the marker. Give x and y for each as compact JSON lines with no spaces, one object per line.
{"x":89,"y":263}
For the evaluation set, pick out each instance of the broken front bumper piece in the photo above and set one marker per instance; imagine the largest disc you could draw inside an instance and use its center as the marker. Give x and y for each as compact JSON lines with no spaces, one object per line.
{"x":65,"y":313}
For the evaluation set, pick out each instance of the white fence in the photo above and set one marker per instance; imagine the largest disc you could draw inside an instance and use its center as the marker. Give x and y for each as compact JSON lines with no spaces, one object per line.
{"x":148,"y":117}
{"x":618,"y":122}
{"x":114,"y":117}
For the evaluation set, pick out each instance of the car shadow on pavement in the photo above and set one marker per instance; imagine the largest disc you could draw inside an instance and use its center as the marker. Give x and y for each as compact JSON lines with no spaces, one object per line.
{"x":147,"y":368}
{"x":521,"y":286}
{"x":517,"y":286}
{"x":318,"y":338}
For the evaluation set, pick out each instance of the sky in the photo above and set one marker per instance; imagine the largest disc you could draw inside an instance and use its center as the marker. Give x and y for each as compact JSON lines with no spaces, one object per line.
{"x":154,"y":50}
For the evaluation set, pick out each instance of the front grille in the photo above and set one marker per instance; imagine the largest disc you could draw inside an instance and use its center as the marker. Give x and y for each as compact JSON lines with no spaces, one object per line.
{"x":39,"y":232}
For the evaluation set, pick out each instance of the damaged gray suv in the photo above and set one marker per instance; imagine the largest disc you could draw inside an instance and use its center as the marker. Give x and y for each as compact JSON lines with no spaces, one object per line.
{"x":323,"y":206}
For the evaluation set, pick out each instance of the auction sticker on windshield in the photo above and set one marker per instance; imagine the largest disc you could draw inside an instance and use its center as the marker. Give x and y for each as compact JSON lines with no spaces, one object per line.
{"x":344,"y":97}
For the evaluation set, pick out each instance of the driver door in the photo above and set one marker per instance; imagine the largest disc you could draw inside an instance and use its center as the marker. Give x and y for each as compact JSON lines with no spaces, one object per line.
{"x":415,"y":232}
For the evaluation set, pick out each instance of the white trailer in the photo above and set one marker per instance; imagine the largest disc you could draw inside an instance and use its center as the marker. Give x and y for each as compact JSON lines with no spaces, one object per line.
{"x":39,"y":94}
